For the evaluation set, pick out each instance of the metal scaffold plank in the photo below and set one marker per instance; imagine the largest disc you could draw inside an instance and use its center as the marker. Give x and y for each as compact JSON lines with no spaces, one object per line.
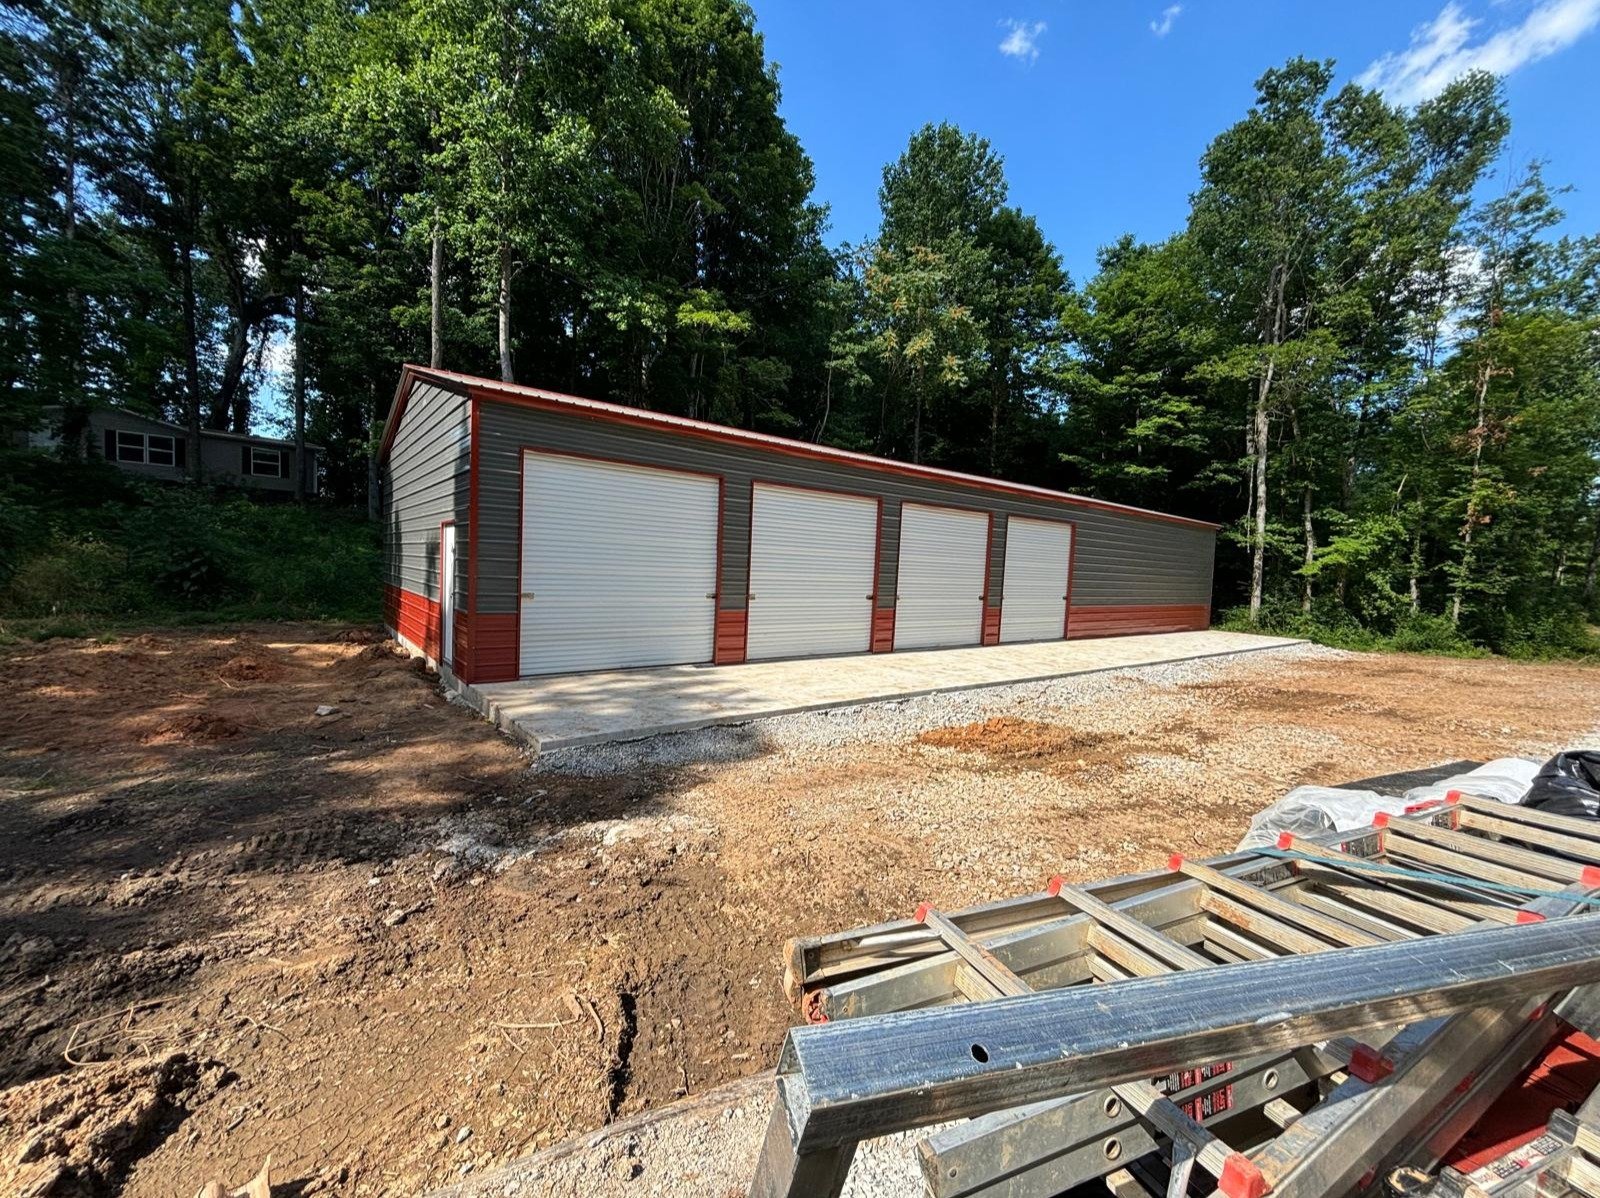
{"x":870,"y":1077}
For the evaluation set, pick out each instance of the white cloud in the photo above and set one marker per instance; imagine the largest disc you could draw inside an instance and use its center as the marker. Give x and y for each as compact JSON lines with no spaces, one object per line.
{"x":1443,"y":50}
{"x":1162,"y":25}
{"x":1023,"y":39}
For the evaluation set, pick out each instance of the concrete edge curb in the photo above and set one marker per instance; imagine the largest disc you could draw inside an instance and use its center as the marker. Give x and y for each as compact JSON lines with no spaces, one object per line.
{"x":495,"y":714}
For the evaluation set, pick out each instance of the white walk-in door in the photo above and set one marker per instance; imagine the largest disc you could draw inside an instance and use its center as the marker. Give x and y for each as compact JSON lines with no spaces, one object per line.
{"x":619,"y":565}
{"x":941,"y":577}
{"x":447,"y":594}
{"x":1038,"y":557}
{"x":812,"y":563}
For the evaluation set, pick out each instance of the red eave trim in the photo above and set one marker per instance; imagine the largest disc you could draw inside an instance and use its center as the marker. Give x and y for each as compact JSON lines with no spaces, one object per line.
{"x":535,"y":397}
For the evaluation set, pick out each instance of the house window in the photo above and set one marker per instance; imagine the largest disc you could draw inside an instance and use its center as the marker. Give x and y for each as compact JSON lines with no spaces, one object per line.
{"x":130,"y":447}
{"x":268,"y":462}
{"x":153,"y":449}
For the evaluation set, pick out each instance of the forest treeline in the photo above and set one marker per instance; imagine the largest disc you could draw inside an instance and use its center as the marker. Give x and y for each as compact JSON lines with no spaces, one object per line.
{"x":1366,"y":353}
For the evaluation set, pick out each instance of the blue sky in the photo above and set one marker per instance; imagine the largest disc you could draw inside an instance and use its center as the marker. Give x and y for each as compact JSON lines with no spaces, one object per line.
{"x":1102,"y":108}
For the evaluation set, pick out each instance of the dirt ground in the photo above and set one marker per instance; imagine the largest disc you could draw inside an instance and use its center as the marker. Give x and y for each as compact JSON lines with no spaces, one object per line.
{"x":374,"y":944}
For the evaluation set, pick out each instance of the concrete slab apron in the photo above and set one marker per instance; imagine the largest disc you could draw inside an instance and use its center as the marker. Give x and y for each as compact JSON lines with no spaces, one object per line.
{"x":561,"y":711}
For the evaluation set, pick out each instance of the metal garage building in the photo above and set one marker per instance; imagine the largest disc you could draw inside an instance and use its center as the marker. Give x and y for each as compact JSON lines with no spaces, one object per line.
{"x":573,"y":534}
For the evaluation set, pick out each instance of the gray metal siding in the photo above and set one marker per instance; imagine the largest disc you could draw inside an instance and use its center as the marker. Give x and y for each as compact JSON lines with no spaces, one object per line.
{"x":998,"y":528}
{"x":425,"y":482}
{"x":1121,"y":558}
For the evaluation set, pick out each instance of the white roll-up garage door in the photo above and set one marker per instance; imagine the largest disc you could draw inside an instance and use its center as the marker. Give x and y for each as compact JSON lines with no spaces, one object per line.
{"x":941,"y":577}
{"x":1038,"y":557}
{"x":619,"y":565}
{"x":812,"y":565}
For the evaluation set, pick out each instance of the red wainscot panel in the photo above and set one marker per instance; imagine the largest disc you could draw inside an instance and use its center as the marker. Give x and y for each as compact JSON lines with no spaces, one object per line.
{"x":415,"y":618}
{"x":883,"y":630}
{"x":1130,"y":619}
{"x":486,"y":647}
{"x":728,"y":643}
{"x":991,"y":626}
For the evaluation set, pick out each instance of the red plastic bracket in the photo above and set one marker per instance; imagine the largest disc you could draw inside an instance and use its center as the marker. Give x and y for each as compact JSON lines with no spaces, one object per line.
{"x":1241,"y":1178}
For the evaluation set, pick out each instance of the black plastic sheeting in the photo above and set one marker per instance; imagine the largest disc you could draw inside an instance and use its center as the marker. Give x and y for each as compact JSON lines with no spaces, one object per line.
{"x":1569,"y":784}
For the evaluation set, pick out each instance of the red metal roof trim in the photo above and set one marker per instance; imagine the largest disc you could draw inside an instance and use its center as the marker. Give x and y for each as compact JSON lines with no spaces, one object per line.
{"x":621,"y":413}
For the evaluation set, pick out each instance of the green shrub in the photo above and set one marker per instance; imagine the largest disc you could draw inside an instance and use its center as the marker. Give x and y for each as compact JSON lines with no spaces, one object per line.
{"x":187,"y":553}
{"x":1419,"y":632}
{"x":83,"y":575}
{"x":1560,"y":632}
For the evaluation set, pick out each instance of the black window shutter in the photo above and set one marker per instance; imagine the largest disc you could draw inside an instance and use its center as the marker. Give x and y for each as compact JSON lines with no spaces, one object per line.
{"x":283,"y":463}
{"x":180,"y":452}
{"x":244,"y":459}
{"x":111,"y":444}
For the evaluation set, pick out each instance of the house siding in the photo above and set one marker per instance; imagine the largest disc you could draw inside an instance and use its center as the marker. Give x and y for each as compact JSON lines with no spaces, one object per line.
{"x":220,"y":456}
{"x":1123,"y":562}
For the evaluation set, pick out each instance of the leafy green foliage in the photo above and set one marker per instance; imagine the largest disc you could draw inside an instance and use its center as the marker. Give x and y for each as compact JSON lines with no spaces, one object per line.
{"x":171,"y":551}
{"x":1389,"y":400}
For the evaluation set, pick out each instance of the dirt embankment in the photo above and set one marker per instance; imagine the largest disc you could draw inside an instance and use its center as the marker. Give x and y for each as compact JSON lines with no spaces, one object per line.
{"x":371,"y":943}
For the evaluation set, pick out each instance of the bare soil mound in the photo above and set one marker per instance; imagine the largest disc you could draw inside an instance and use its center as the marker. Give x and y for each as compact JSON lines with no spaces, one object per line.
{"x":79,"y":1133}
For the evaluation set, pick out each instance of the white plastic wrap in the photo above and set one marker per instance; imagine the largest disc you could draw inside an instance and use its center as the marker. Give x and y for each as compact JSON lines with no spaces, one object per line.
{"x":1505,"y":778}
{"x":1313,"y":810}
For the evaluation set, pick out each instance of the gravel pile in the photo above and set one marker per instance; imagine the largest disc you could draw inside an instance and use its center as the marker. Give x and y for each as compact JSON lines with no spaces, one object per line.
{"x":701,"y":1146}
{"x":903,"y":719}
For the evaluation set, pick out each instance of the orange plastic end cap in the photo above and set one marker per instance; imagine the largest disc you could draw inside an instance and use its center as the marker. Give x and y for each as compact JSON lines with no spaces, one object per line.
{"x":1286,"y":840}
{"x":1452,"y":796}
{"x":1529,"y":917}
{"x":1370,"y":1065}
{"x":1054,"y":885}
{"x":922,"y":912}
{"x":1381,"y":820}
{"x":1590,"y":877}
{"x":1241,"y":1178}
{"x":1175,"y":861}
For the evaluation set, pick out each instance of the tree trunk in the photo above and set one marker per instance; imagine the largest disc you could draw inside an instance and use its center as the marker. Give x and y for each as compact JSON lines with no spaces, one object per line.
{"x":916,"y":429}
{"x":226,"y":407}
{"x":374,"y":507}
{"x":1591,"y":576}
{"x":827,"y":405}
{"x":1262,"y":435}
{"x":1311,"y":547}
{"x":1258,"y":548}
{"x":996,"y":398}
{"x":300,"y":392}
{"x":1479,"y":435}
{"x":507,"y":374}
{"x":436,"y":297}
{"x":1416,"y":565}
{"x":74,"y":403}
{"x":191,"y":352}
